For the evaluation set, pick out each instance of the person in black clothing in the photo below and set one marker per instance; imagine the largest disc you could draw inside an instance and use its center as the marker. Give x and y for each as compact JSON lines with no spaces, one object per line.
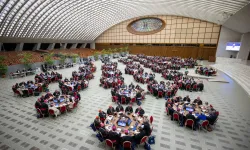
{"x":44,"y":108}
{"x":56,"y":93}
{"x":38,"y":104}
{"x":127,"y":138}
{"x":114,"y":136}
{"x":97,"y":122}
{"x":102,"y":115}
{"x":186,"y":99}
{"x":131,"y":86}
{"x":104,"y":133}
{"x":139,"y":136}
{"x":198,"y":101}
{"x":138,"y":96}
{"x":146,"y":127}
{"x":170,"y":111}
{"x":129,"y":109}
{"x":140,"y":111}
{"x":110,"y":110}
{"x":190,"y":116}
{"x":119,"y":108}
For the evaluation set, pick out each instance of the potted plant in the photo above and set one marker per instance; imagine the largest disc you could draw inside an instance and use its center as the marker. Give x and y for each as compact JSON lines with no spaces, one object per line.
{"x":62,"y":58}
{"x":3,"y":67}
{"x":95,"y":55}
{"x":74,"y":57}
{"x":26,"y":59}
{"x":49,"y":59}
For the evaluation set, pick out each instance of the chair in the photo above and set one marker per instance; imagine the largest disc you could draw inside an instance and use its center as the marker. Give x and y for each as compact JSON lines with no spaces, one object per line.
{"x":70,"y":88}
{"x":123,"y":100}
{"x":160,"y":94}
{"x":143,"y":140}
{"x":169,"y":94}
{"x":132,"y":100}
{"x":51,"y":112}
{"x":30,"y":92}
{"x":188,"y":87}
{"x":39,"y":112}
{"x":63,"y":109}
{"x":189,"y":122}
{"x":204,"y":124}
{"x":79,"y":88}
{"x":180,"y":85}
{"x":176,"y":117}
{"x":114,"y":98}
{"x":40,"y":89}
{"x":195,"y":87}
{"x":151,"y":119}
{"x":109,"y":143}
{"x":127,"y":145}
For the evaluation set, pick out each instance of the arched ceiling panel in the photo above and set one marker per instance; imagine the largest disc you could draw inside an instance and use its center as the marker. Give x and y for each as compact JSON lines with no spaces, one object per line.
{"x":87,"y":19}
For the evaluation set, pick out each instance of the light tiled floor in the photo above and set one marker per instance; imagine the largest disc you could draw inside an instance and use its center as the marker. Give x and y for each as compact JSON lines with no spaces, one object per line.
{"x":21,"y":130}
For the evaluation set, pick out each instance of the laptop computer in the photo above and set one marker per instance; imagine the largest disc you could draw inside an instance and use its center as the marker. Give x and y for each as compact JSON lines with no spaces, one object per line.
{"x":129,"y":122}
{"x":189,"y":109}
{"x":121,"y":123}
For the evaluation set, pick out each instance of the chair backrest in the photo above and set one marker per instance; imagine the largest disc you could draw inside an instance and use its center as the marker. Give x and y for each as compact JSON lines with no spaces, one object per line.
{"x":169,"y":93}
{"x":75,"y":105}
{"x":133,"y":100}
{"x":127,"y":144}
{"x":159,"y":92}
{"x":51,"y":112}
{"x":63,"y":109}
{"x":189,"y":122}
{"x":109,"y":143}
{"x":151,"y":119}
{"x":176,"y":116}
{"x":144,"y":139}
{"x":205,"y":123}
{"x":195,"y":86}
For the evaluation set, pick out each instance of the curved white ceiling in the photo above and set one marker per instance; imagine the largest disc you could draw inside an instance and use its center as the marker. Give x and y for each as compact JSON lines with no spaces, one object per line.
{"x":87,"y":19}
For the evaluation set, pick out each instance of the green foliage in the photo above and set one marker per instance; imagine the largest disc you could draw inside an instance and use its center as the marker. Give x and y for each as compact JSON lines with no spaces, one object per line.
{"x":74,"y":57}
{"x":26,"y":59}
{"x":96,"y":55}
{"x":3,"y":67}
{"x":49,"y":58}
{"x":62,"y":58}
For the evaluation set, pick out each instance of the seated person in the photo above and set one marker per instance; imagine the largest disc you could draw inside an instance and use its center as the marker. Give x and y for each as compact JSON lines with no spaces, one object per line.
{"x":110,"y":110}
{"x":114,"y":136}
{"x":139,"y":136}
{"x":146,"y":127}
{"x":186,"y":98}
{"x":56,"y":93}
{"x":119,"y":108}
{"x":127,"y":137}
{"x":201,"y":118}
{"x":48,"y":95}
{"x":131,"y":86}
{"x":190,"y":116}
{"x":102,"y":115}
{"x":140,"y":111}
{"x":103,"y":132}
{"x":138,"y":96}
{"x":38,"y":104}
{"x":129,"y":109}
{"x":97,"y":122}
{"x":44,"y":108}
{"x":198,"y":101}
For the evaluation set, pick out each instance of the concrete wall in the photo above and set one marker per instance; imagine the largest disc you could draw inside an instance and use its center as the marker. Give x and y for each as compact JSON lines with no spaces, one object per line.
{"x":227,"y":35}
{"x":245,"y":47}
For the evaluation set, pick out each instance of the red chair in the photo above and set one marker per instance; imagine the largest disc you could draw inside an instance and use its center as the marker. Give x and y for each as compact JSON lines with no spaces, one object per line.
{"x":109,"y":143}
{"x":180,"y":85}
{"x":204,"y":125}
{"x":127,"y":145}
{"x":176,"y":117}
{"x":143,"y":140}
{"x":132,"y":100}
{"x":39,"y":112}
{"x":51,"y":112}
{"x":195,"y":87}
{"x":142,"y":80}
{"x":30,"y":92}
{"x":40,"y":89}
{"x":188,"y":87}
{"x":70,"y":88}
{"x":114,"y":98}
{"x":49,"y":80}
{"x":56,"y":78}
{"x":151,"y":119}
{"x":17,"y":93}
{"x":160,"y":94}
{"x":79,"y":88}
{"x":190,"y":123}
{"x":169,"y":94}
{"x":63,"y":109}
{"x":123,"y":100}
